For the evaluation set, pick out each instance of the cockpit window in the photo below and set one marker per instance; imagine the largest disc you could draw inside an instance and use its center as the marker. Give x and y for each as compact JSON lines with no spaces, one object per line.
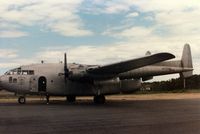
{"x":14,"y":71}
{"x":7,"y":73}
{"x":31,"y":72}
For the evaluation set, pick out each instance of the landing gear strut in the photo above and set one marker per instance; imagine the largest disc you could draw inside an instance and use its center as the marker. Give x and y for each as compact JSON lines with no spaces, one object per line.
{"x":71,"y":98}
{"x":21,"y":100}
{"x":47,"y":98}
{"x":99,"y":99}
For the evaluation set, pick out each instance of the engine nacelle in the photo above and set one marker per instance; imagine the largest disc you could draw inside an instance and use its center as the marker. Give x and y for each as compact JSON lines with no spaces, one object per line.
{"x":107,"y":86}
{"x":129,"y":86}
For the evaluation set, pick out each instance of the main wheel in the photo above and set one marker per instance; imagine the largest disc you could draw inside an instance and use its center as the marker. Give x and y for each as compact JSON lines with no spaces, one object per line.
{"x":21,"y":100}
{"x":100,"y":99}
{"x":71,"y":98}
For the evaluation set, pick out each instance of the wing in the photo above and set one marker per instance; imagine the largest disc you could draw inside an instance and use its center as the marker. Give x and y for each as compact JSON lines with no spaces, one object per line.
{"x":116,"y":68}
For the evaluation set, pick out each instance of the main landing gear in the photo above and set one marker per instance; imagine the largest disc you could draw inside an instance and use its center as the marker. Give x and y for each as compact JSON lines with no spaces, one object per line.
{"x":22,"y":100}
{"x":71,"y":98}
{"x":99,"y":99}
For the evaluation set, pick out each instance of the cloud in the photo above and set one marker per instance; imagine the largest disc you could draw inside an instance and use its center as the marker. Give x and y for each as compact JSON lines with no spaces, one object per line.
{"x":58,"y":16}
{"x":163,"y":6}
{"x":180,"y":23}
{"x":8,"y":65}
{"x":69,"y":29}
{"x":136,"y":32}
{"x":89,"y":54}
{"x":133,"y":14}
{"x":6,"y":26}
{"x":8,"y":53}
{"x":169,"y":21}
{"x":178,"y":18}
{"x":12,"y":34}
{"x":115,"y":8}
{"x":106,"y":54}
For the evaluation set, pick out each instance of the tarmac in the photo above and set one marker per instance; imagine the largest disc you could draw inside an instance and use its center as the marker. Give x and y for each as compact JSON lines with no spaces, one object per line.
{"x":170,"y":116}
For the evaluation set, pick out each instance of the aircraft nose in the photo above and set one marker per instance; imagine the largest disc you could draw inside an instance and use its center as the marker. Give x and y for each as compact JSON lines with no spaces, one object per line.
{"x":0,"y":83}
{"x":3,"y":81}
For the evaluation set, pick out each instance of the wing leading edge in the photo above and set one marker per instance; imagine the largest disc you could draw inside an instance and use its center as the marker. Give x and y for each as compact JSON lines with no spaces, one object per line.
{"x":124,"y":66}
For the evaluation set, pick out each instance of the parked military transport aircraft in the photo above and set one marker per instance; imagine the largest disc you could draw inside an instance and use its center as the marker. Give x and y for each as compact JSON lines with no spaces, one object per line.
{"x":73,"y":80}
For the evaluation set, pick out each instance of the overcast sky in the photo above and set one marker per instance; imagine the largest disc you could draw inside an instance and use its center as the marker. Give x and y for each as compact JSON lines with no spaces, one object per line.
{"x":96,"y":31}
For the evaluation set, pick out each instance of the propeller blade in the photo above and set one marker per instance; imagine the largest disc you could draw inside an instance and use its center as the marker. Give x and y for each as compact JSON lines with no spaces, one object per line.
{"x":66,"y":70}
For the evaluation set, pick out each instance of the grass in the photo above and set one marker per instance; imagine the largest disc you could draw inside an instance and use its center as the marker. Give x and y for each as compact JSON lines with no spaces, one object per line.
{"x":168,"y":91}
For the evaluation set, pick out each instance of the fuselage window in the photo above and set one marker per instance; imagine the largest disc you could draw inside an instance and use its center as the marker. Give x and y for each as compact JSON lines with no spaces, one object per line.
{"x":14,"y":73}
{"x":10,"y":79}
{"x":24,"y":72}
{"x":30,"y":72}
{"x":27,"y":72}
{"x":14,"y":80}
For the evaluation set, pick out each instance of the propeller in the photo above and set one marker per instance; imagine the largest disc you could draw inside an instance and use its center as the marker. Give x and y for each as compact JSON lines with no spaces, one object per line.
{"x":66,"y":70}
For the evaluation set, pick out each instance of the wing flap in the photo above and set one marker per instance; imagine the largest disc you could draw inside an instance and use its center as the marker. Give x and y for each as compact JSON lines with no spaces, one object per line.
{"x":128,"y":65}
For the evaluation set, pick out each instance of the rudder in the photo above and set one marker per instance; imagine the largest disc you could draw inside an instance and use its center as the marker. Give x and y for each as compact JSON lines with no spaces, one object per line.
{"x":186,"y":61}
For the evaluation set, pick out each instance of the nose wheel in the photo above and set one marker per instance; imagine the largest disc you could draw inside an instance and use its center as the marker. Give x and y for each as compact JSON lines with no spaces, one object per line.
{"x":21,"y":100}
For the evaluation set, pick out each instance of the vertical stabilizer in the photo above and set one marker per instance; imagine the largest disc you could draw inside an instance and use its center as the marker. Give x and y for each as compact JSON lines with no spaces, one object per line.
{"x":186,"y":61}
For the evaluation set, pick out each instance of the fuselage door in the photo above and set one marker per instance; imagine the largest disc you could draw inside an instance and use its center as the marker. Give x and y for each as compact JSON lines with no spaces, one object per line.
{"x":42,"y":84}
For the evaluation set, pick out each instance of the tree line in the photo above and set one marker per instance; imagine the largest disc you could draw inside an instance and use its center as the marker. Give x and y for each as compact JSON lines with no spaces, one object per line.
{"x":192,"y":82}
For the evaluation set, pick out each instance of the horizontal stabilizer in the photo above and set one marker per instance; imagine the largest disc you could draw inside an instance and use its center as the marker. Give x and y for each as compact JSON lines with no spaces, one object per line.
{"x":128,"y":65}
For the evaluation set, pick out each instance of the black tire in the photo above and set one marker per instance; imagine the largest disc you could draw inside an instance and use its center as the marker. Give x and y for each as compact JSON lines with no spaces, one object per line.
{"x":100,"y":99}
{"x":21,"y":100}
{"x":71,"y":98}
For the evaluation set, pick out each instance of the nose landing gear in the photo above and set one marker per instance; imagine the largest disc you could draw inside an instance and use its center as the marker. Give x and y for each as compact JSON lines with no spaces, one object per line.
{"x":71,"y":98}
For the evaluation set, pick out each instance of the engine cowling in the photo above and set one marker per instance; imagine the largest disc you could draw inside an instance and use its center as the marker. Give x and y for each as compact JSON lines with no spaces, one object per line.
{"x":129,"y":86}
{"x":110,"y":86}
